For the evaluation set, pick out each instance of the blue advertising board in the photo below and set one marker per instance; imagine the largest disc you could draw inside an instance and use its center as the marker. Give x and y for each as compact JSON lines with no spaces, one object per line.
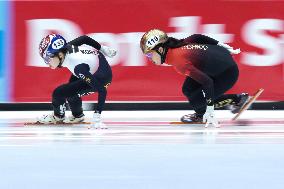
{"x":5,"y":57}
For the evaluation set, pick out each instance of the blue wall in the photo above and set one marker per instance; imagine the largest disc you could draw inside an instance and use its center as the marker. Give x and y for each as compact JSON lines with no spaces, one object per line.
{"x":5,"y":57}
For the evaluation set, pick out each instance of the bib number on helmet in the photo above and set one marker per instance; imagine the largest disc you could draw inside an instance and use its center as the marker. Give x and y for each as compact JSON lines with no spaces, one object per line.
{"x":57,"y":44}
{"x":153,"y":41}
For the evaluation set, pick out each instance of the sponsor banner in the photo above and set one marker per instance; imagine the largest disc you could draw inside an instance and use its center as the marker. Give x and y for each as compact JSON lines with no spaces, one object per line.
{"x":255,"y":27}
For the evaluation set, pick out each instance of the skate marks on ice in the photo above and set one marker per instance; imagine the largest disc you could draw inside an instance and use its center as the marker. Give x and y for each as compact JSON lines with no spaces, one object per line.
{"x":155,"y":124}
{"x":150,"y":128}
{"x":239,"y":122}
{"x":146,"y":128}
{"x":137,"y":133}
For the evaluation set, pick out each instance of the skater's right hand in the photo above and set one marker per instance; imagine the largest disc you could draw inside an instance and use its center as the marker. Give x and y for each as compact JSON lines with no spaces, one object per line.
{"x":209,"y":117}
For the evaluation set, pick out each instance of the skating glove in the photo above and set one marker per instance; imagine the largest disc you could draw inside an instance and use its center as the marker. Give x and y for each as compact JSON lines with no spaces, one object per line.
{"x":107,"y":51}
{"x":229,"y":48}
{"x":98,"y":121}
{"x":97,"y":117}
{"x":209,"y":117}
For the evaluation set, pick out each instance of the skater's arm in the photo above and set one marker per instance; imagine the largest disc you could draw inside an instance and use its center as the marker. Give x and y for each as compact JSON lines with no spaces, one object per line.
{"x":205,"y":81}
{"x":83,"y":72}
{"x":200,"y":39}
{"x":101,"y":99}
{"x":84,"y":39}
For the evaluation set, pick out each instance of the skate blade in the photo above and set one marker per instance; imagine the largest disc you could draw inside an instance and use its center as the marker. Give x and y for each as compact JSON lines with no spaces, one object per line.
{"x":184,"y":123}
{"x":61,"y":123}
{"x":248,"y":103}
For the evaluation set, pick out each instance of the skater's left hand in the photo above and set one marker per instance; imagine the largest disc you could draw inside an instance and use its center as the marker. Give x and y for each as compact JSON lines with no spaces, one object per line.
{"x":107,"y":51}
{"x":209,"y":117}
{"x":97,"y":117}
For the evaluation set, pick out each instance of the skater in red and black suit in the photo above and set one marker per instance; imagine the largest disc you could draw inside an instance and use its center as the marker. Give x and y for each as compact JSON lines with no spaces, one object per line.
{"x":208,"y":67}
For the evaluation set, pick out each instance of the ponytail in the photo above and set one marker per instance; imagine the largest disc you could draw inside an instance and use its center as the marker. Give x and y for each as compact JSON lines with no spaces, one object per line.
{"x":173,"y":43}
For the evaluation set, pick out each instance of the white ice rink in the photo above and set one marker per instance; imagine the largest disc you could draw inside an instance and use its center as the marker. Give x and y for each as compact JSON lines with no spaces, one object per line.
{"x":142,"y":150}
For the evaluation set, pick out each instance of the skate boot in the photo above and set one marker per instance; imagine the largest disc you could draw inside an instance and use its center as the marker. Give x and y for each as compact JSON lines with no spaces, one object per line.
{"x":50,"y":119}
{"x":73,"y":119}
{"x":192,"y":118}
{"x":244,"y":97}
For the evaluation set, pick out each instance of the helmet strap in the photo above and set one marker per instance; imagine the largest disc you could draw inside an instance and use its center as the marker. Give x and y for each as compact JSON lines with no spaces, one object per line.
{"x":60,"y":61}
{"x":162,"y":54}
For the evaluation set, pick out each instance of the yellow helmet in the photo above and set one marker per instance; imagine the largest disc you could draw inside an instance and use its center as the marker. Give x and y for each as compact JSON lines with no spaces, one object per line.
{"x":151,"y":39}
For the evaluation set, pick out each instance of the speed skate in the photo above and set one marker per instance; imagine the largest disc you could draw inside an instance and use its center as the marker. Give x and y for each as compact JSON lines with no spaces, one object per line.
{"x":248,"y":103}
{"x":246,"y":106}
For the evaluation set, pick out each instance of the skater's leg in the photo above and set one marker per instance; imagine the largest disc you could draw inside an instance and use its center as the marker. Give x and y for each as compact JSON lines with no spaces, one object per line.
{"x":75,"y":102}
{"x":224,"y":82}
{"x":70,"y":92}
{"x":193,"y":91}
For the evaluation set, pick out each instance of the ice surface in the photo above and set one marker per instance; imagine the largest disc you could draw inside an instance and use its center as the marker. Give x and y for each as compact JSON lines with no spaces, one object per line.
{"x":141,"y":150}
